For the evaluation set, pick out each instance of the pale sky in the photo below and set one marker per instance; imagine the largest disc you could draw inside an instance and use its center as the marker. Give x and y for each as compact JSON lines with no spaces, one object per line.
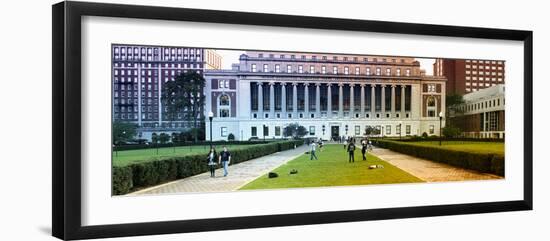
{"x":232,"y":56}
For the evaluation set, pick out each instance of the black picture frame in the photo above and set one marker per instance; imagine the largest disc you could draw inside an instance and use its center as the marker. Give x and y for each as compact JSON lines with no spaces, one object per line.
{"x":66,"y":157}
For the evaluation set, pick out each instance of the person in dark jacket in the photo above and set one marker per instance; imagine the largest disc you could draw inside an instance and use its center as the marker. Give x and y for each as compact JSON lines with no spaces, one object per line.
{"x":364,"y":150}
{"x":225,"y":160}
{"x":211,"y":159}
{"x":351,"y":152}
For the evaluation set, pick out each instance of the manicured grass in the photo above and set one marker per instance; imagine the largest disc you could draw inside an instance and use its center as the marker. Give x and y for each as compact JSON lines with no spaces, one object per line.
{"x":469,"y":146}
{"x":123,"y":158}
{"x":332,"y":169}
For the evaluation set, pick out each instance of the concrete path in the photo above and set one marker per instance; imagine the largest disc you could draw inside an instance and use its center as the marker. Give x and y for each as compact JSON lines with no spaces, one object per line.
{"x":239,"y":175}
{"x":427,"y":170}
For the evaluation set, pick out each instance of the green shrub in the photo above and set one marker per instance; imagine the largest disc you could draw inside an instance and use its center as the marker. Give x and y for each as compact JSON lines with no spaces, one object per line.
{"x":144,"y":174}
{"x":122,"y":180}
{"x":482,"y":162}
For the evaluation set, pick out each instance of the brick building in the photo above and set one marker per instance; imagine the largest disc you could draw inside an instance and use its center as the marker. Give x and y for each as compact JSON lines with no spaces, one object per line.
{"x":469,"y":75}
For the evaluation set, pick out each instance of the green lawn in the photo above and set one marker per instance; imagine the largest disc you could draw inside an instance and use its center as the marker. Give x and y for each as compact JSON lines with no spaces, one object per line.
{"x":469,"y":146}
{"x":123,"y":158}
{"x":332,"y":169}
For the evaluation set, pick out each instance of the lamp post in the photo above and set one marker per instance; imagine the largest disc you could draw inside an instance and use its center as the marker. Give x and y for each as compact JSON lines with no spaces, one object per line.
{"x":440,"y":119}
{"x":210,"y":117}
{"x":400,"y":129}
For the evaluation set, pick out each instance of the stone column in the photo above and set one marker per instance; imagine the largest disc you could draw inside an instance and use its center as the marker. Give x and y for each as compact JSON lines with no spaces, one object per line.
{"x":295,"y":99}
{"x":403,"y":87}
{"x":340,"y":100}
{"x":329,"y":101}
{"x":351,"y":102}
{"x":392,"y":101}
{"x":271,"y":100}
{"x":260,"y":101}
{"x":283,"y":99}
{"x":306,"y":99}
{"x":362,"y":100}
{"x":383,"y":101}
{"x":318,"y":100}
{"x":373,"y":100}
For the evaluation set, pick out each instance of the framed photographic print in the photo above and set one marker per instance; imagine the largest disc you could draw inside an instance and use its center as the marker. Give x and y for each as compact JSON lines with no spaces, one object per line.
{"x":170,"y":120}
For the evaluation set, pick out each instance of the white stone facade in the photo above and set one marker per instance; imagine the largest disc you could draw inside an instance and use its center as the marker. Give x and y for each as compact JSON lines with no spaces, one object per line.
{"x":299,"y":91}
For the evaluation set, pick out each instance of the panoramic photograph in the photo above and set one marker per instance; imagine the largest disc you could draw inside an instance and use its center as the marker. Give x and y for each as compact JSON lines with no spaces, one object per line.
{"x":201,"y":120}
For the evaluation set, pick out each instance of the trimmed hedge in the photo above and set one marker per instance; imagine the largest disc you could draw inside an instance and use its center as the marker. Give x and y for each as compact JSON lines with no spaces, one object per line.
{"x":482,"y":162}
{"x":202,"y":143}
{"x":128,"y":178}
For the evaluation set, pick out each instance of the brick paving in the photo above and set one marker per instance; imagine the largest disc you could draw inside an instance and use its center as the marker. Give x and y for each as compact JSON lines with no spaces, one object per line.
{"x":239,"y":175}
{"x":429,"y":171}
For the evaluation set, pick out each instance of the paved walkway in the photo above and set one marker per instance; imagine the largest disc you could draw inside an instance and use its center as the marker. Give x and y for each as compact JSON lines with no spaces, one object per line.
{"x":429,"y":171}
{"x":239,"y":175}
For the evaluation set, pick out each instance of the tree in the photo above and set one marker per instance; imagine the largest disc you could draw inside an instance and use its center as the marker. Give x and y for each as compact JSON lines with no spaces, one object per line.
{"x":452,"y":101}
{"x":451,"y":131}
{"x":295,"y":130}
{"x":164,"y":138}
{"x":123,"y":131}
{"x":155,"y":138}
{"x":184,"y":94}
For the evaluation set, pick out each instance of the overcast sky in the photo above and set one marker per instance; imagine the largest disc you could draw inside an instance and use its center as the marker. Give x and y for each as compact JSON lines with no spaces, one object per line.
{"x":232,"y":56}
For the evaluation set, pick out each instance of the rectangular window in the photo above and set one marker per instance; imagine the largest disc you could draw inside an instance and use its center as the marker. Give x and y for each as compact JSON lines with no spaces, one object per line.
{"x":312,"y":130}
{"x":357,"y":130}
{"x":388,"y":71}
{"x":223,"y":131}
{"x":432,"y":129}
{"x":388,"y":130}
{"x":368,"y":71}
{"x":277,"y":131}
{"x":398,"y":72}
{"x":266,"y":69}
{"x":378,"y":71}
{"x":357,"y":71}
{"x":289,"y":68}
{"x":407,"y":129}
{"x":323,"y":69}
{"x":346,"y":70}
{"x":300,"y":69}
{"x":277,"y":68}
{"x":408,"y":72}
{"x":253,"y":131}
{"x":311,"y":69}
{"x":335,"y":70}
{"x":253,"y":67}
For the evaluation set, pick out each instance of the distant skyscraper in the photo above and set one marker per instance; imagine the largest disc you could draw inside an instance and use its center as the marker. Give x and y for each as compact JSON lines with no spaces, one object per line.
{"x":468,"y":75}
{"x":138,"y":75}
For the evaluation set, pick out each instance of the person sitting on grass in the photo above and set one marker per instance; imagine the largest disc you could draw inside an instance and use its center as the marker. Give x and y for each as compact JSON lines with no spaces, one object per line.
{"x":351,"y":152}
{"x":225,"y":159}
{"x":312,"y":151}
{"x":211,"y":158}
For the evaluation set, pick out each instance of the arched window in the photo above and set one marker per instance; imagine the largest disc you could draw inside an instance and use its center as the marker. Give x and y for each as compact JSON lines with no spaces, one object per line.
{"x":224,"y":100}
{"x":431,"y":101}
{"x":431,"y":106}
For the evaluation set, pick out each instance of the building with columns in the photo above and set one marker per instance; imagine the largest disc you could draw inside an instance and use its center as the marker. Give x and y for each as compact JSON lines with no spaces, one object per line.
{"x":138,"y":76}
{"x":330,"y":94}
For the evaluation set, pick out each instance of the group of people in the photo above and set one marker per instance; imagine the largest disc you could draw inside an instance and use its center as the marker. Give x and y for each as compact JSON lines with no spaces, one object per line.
{"x":224,"y":158}
{"x":349,"y":146}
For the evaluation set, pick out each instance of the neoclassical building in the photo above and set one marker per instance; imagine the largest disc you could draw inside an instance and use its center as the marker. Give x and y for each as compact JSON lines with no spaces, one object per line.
{"x":331,"y":95}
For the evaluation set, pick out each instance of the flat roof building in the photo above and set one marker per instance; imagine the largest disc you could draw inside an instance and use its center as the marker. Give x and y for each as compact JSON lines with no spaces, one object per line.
{"x":332,"y":95}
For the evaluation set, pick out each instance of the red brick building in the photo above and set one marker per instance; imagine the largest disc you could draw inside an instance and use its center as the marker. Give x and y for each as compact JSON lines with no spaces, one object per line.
{"x":468,"y":75}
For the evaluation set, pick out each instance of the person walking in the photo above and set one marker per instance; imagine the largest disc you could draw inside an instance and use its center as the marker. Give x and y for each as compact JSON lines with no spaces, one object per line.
{"x":225,"y":160}
{"x":364,"y":150}
{"x":211,"y":158}
{"x":351,"y":152}
{"x":312,"y":151}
